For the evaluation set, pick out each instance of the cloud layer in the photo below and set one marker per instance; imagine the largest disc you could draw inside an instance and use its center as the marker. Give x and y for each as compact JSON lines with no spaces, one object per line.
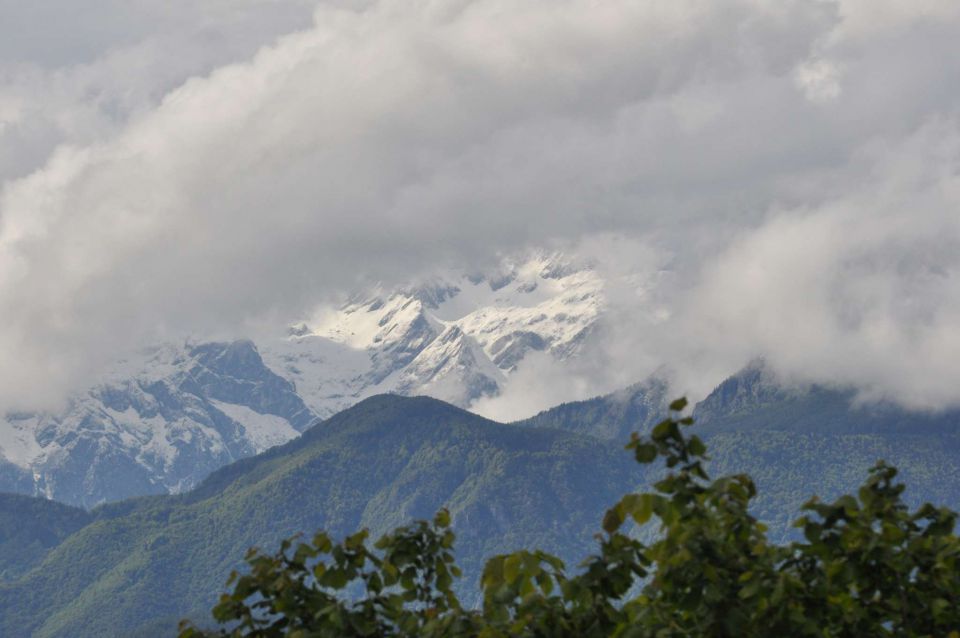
{"x":793,"y":166}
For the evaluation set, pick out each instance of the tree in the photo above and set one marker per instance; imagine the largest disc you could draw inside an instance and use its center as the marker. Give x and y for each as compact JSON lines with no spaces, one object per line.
{"x":867,"y":567}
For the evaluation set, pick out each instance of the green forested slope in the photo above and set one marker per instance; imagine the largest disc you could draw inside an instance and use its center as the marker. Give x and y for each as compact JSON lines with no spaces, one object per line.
{"x":135,"y":567}
{"x":816,"y":440}
{"x":790,"y":467}
{"x":796,"y":442}
{"x":382,"y":463}
{"x":612,"y":417}
{"x":30,"y":528}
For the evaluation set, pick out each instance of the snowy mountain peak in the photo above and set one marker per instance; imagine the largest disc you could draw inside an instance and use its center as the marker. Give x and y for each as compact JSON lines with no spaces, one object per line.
{"x":163,"y":419}
{"x":453,"y":368}
{"x":188,"y":411}
{"x":407,"y":339}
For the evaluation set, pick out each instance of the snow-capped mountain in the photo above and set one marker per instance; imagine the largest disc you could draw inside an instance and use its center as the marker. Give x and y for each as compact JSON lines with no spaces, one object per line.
{"x":162,"y":421}
{"x":456,"y":338}
{"x":154,"y":425}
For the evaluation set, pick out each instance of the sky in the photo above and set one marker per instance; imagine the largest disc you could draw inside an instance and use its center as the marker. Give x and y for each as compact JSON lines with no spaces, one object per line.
{"x":785,"y":172}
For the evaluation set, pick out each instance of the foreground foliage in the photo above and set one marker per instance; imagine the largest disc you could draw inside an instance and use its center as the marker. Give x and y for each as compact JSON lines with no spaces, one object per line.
{"x":867,"y":567}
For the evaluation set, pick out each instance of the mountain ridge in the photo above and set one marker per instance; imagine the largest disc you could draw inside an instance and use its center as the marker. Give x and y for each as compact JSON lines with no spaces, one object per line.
{"x":158,"y":427}
{"x":384,"y":461}
{"x":162,"y":419}
{"x":390,"y":459}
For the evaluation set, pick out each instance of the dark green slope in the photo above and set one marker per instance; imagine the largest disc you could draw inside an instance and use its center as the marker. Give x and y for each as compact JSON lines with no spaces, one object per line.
{"x":816,"y":440}
{"x":752,"y":400}
{"x":789,"y":467}
{"x":795,"y":442}
{"x":614,"y":416}
{"x":133,"y":568}
{"x":379,"y":464}
{"x":30,"y":528}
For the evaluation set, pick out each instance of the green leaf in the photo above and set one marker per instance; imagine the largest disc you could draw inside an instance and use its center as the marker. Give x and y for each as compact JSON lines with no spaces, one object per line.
{"x":696,"y":446}
{"x":511,"y":568}
{"x":644,"y":509}
{"x":612,"y":520}
{"x":645,"y":452}
{"x":637,"y":506}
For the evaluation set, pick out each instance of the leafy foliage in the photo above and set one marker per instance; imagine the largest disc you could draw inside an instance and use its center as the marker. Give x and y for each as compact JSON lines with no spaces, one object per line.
{"x":867,"y":566}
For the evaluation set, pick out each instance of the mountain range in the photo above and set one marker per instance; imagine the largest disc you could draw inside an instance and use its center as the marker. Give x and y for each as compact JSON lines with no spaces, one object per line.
{"x":181,"y":414}
{"x":136,"y":566}
{"x":145,"y":562}
{"x":125,"y":510}
{"x":165,"y":417}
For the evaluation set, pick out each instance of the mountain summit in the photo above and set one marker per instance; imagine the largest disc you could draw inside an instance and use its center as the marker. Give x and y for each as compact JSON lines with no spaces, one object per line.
{"x":153,"y":426}
{"x":164,"y":419}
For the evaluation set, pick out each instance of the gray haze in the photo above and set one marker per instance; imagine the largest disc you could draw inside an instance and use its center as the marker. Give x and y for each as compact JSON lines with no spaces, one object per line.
{"x":783,"y":174}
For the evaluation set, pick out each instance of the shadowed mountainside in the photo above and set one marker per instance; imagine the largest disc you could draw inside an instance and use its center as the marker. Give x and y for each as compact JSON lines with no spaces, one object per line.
{"x":137,"y":566}
{"x":385,"y":461}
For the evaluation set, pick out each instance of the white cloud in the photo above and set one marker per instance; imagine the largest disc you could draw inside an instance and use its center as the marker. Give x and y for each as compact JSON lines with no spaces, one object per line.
{"x":861,"y":290}
{"x":388,"y":138}
{"x":819,"y":80}
{"x":76,"y":73}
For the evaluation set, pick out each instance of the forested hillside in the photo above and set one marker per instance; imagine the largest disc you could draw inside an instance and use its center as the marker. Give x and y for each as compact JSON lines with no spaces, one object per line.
{"x":379,"y":464}
{"x":30,"y":528}
{"x":141,"y":564}
{"x":794,"y":441}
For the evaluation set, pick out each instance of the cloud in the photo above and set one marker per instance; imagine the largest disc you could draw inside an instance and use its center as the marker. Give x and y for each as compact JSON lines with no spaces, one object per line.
{"x":388,"y":139}
{"x":862,"y":290}
{"x":819,"y":80}
{"x":76,"y":74}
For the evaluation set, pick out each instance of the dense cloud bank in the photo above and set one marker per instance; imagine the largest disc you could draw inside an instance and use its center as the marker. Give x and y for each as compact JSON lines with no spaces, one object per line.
{"x":789,"y":168}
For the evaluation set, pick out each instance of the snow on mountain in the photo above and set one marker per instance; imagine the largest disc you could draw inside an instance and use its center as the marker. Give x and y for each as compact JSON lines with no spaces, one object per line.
{"x":457,"y":337}
{"x":159,"y":423}
{"x":453,"y":368}
{"x":163,"y":420}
